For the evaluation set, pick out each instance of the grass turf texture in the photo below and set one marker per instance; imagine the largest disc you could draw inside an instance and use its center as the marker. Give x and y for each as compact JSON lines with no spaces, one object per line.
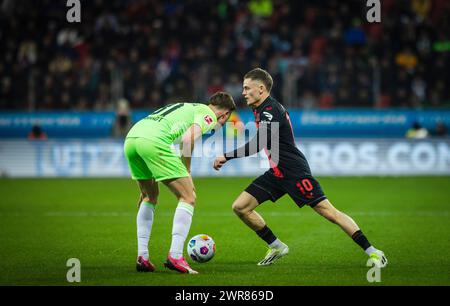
{"x":44,"y":222}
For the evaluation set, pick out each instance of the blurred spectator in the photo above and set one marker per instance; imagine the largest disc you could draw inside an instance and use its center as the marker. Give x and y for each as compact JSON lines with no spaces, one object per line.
{"x":419,"y":91}
{"x":417,"y":131}
{"x":384,"y":101}
{"x":326,"y":100}
{"x":234,"y":87}
{"x":406,"y":59}
{"x":441,"y":130}
{"x":122,"y":122}
{"x":37,"y":133}
{"x":261,"y":8}
{"x":421,"y":8}
{"x":215,"y":85}
{"x":151,"y":52}
{"x":308,"y":100}
{"x":356,"y":34}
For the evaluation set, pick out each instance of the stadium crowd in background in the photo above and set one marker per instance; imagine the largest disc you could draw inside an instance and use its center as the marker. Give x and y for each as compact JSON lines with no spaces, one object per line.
{"x":322,"y":54}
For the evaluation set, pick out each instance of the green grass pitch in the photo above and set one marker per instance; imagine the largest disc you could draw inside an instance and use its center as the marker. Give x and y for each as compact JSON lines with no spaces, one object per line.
{"x":44,"y":222}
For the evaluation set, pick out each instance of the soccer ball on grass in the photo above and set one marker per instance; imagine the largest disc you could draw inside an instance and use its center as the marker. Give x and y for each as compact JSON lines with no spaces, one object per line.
{"x":201,"y":248}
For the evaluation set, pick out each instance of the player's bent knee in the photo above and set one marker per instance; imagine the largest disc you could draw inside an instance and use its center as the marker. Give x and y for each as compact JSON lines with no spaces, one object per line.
{"x":244,"y":204}
{"x":235,"y":208}
{"x":190,"y":199}
{"x":239,"y":208}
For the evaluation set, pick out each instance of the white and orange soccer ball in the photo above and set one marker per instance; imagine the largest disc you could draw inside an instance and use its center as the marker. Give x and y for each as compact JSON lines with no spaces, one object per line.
{"x":201,"y":248}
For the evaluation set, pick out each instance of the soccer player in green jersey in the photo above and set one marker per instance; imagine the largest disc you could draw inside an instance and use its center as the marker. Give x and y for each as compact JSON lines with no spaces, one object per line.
{"x":151,"y":159}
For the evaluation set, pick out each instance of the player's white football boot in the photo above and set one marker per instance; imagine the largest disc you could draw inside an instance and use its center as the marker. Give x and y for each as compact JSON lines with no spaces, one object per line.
{"x":274,"y":254}
{"x":379,"y":259}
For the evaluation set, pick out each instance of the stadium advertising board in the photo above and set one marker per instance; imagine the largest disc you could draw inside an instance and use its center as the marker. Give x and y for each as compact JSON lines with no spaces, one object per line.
{"x":327,"y":157}
{"x":320,"y":123}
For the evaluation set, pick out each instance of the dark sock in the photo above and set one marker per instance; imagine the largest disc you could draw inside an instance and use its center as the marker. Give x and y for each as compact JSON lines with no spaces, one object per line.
{"x":361,"y":240}
{"x":266,"y":234}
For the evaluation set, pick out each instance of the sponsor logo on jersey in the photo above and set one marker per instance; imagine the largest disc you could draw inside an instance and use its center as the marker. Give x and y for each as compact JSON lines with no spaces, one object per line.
{"x":208,"y":119}
{"x":268,"y":115}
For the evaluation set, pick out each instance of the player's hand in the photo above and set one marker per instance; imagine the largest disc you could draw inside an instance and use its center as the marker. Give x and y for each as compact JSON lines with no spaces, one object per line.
{"x":219,"y":162}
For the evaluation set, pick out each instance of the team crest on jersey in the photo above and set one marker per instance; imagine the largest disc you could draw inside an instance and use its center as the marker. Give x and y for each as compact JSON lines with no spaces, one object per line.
{"x":268,"y":115}
{"x":208,"y":119}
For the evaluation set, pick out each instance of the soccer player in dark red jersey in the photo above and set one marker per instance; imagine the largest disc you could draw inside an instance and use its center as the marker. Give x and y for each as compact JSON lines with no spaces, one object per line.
{"x":289,"y":173}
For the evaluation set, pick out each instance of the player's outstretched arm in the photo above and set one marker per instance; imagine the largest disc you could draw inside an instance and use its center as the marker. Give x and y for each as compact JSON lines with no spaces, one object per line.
{"x":250,"y":148}
{"x":261,"y":140}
